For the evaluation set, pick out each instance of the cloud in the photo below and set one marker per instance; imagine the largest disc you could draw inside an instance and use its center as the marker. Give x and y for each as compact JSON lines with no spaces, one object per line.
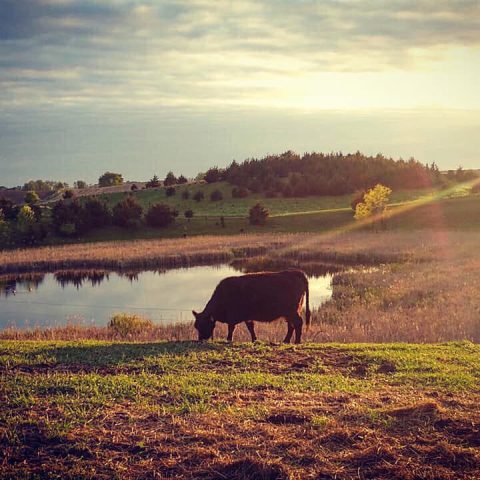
{"x":66,"y":52}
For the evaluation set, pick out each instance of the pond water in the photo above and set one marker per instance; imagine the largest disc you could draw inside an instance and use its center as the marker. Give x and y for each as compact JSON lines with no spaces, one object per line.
{"x":90,"y":298}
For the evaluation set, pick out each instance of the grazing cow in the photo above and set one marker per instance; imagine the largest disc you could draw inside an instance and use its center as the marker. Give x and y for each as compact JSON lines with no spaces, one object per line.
{"x":262,"y":297}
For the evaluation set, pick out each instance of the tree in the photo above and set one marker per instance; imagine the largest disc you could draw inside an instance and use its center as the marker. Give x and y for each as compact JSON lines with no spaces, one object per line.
{"x":153,"y":182}
{"x":198,"y":196}
{"x":25,"y":219}
{"x":374,"y":203}
{"x":9,"y":210}
{"x":127,"y":213}
{"x":96,"y":214}
{"x":68,"y":218}
{"x":170,"y":179}
{"x":160,"y":215}
{"x":258,"y":214}
{"x":239,"y":192}
{"x":358,"y":198}
{"x":79,"y":184}
{"x":182,"y":179}
{"x":216,"y":196}
{"x":31,"y":198}
{"x":188,"y":214}
{"x":213,"y":175}
{"x":109,"y":179}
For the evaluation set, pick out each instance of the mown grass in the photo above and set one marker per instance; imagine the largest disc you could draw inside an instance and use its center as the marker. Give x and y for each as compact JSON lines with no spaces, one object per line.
{"x":189,"y":410}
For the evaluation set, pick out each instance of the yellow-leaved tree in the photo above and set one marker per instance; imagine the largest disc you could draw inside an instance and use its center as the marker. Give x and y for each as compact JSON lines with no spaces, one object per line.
{"x":374,"y":203}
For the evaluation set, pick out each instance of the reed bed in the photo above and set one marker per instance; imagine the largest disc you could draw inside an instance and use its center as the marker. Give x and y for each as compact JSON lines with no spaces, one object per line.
{"x":427,"y":292}
{"x":338,"y":247}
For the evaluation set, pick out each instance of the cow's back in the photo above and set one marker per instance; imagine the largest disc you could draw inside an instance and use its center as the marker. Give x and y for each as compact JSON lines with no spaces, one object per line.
{"x":262,"y":296}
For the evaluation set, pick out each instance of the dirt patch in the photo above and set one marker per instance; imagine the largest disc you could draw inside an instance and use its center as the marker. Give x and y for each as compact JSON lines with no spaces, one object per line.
{"x":425,"y":410}
{"x":286,"y":418}
{"x":387,"y":367}
{"x":246,"y":469}
{"x":451,"y":456}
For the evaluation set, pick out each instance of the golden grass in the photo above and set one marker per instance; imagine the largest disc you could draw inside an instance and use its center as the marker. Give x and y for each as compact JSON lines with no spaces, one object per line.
{"x":423,"y":288}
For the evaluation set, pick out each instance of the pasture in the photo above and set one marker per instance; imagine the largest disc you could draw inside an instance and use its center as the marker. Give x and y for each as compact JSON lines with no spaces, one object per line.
{"x":385,"y":385}
{"x":96,"y":409}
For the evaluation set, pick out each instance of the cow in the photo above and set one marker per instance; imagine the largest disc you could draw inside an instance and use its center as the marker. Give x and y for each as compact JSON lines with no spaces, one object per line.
{"x":263,"y":297}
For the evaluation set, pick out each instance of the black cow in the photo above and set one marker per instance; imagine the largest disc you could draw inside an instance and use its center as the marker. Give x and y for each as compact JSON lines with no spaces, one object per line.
{"x":262,"y":297}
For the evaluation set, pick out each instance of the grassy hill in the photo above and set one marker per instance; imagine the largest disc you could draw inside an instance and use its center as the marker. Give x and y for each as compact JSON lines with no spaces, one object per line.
{"x":239,"y":207}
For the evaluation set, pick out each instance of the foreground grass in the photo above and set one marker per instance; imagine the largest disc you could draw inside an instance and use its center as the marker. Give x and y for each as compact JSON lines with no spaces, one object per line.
{"x":188,"y":410}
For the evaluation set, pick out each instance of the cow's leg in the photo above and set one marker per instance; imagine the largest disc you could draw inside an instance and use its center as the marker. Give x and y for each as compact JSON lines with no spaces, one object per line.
{"x":251,"y":329}
{"x":297,"y":323}
{"x":231,"y":329}
{"x":289,"y":331}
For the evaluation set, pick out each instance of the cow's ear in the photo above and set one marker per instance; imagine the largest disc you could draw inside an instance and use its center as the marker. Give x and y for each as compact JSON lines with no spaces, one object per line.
{"x":195,"y":314}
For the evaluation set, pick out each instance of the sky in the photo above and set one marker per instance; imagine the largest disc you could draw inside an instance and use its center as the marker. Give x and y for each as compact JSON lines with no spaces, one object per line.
{"x":142,"y":87}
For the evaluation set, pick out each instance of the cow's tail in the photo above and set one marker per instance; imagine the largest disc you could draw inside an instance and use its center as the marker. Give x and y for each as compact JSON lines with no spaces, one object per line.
{"x":307,"y":304}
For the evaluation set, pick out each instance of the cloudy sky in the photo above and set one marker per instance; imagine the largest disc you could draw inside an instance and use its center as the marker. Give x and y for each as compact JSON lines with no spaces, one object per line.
{"x":145,"y":86}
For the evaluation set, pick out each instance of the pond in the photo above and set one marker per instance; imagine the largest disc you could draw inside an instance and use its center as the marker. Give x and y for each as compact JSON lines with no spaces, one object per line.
{"x":91,"y":297}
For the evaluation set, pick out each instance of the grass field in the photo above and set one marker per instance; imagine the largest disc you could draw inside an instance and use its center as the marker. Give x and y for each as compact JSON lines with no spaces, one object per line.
{"x":78,"y":410}
{"x":239,"y":207}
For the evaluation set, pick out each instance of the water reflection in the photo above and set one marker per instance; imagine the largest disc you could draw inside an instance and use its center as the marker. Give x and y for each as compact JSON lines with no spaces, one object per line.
{"x":91,"y":296}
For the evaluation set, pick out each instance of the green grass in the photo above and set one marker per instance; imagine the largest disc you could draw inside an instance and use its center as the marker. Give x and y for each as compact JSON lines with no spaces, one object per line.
{"x":238,"y":207}
{"x":95,"y":409}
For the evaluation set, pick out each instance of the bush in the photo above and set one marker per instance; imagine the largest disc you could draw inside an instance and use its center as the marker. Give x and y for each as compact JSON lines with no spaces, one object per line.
{"x":79,"y":184}
{"x":125,"y":324}
{"x":182,"y":179}
{"x":133,"y":188}
{"x":216,"y":196}
{"x":185,"y":194}
{"x":188,"y":214}
{"x":127,"y":213}
{"x":258,"y":215}
{"x":160,"y":215}
{"x":109,"y":179}
{"x":239,"y":192}
{"x":96,"y":213}
{"x":67,"y":194}
{"x":213,"y":175}
{"x":170,"y":179}
{"x":31,"y":198}
{"x":153,"y":182}
{"x":68,"y":218}
{"x":170,"y":191}
{"x":358,"y":198}
{"x":199,"y":196}
{"x":476,"y":188}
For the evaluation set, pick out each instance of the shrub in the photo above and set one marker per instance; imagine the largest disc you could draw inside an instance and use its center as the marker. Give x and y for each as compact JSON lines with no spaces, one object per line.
{"x":358,"y":198}
{"x":198,"y":196}
{"x":188,"y":214}
{"x":127,"y":213}
{"x":170,"y":191}
{"x":239,"y":192}
{"x":67,"y":194}
{"x":258,"y":214}
{"x":476,"y":188}
{"x":125,"y":324}
{"x":182,"y":179}
{"x":68,"y":218}
{"x":96,"y":213}
{"x":109,"y":179}
{"x":185,"y":194}
{"x":153,"y":182}
{"x":216,"y":196}
{"x":213,"y":175}
{"x":31,"y":198}
{"x":160,"y":215}
{"x":133,"y":188}
{"x":170,"y":179}
{"x":79,"y":184}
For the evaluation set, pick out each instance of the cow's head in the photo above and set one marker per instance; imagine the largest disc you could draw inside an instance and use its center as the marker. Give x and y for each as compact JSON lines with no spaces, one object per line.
{"x":205,"y":324}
